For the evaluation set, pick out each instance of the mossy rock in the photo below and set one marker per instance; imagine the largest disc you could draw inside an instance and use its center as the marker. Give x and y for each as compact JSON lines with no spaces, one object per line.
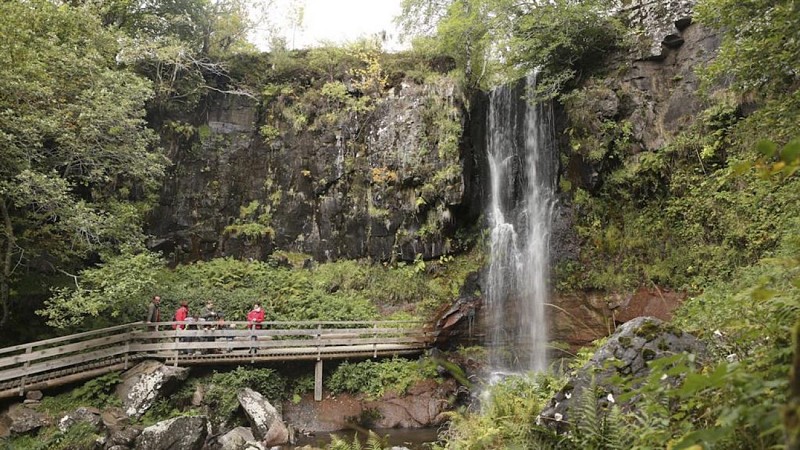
{"x":649,"y":331}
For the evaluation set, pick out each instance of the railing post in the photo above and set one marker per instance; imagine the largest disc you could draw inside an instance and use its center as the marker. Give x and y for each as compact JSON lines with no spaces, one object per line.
{"x":131,"y":333}
{"x":319,"y":343}
{"x":318,"y":381}
{"x":177,"y":345}
{"x":25,"y":377}
{"x":374,"y":340}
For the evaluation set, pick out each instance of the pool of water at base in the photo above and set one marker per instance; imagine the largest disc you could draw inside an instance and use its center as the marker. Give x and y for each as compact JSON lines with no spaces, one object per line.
{"x":411,"y":438}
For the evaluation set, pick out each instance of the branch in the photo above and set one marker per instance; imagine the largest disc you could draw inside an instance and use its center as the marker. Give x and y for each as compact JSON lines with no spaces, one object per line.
{"x":74,"y":277}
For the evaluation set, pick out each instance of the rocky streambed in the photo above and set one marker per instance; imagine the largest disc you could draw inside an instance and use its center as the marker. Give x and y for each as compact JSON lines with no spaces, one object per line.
{"x":257,"y":422}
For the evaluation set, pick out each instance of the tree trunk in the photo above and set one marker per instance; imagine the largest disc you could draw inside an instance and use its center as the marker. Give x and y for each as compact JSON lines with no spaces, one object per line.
{"x":5,"y":271}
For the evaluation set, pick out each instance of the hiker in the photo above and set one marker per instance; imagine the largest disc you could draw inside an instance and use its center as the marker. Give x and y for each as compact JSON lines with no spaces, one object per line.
{"x":255,"y":317}
{"x":221,"y":326}
{"x":154,"y":313}
{"x":180,"y":315}
{"x":209,"y":313}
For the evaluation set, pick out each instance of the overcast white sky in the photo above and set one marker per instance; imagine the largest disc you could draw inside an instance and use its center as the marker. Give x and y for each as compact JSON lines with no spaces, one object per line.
{"x":332,"y":20}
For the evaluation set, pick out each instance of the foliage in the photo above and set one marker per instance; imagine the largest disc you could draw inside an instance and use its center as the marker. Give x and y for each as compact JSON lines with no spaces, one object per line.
{"x":499,"y":40}
{"x":120,"y":290}
{"x":377,"y":378}
{"x":181,"y":45}
{"x":77,"y":437}
{"x":97,"y":393}
{"x":757,"y":53}
{"x":78,"y":169}
{"x":566,"y":40}
{"x":102,"y":291}
{"x":253,"y":222}
{"x":508,"y":418}
{"x":374,"y":442}
{"x":465,"y":30}
{"x":691,"y":212}
{"x":596,"y":425}
{"x":164,"y":409}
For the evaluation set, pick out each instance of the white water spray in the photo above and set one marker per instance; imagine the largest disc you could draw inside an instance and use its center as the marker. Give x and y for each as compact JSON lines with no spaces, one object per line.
{"x":521,"y":153}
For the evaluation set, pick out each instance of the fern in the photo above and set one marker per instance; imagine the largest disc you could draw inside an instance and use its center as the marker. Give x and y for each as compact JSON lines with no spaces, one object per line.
{"x":375,"y":442}
{"x":587,"y":427}
{"x":596,"y":427}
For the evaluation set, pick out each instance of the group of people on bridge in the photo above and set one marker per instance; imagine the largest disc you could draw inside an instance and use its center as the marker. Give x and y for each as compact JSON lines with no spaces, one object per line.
{"x":208,"y":319}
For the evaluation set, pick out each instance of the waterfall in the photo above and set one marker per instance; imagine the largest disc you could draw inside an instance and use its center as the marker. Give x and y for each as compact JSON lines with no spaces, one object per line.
{"x":522,"y":166}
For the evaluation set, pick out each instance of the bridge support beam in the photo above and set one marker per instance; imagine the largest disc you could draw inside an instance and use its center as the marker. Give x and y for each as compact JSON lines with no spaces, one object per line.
{"x":318,"y":381}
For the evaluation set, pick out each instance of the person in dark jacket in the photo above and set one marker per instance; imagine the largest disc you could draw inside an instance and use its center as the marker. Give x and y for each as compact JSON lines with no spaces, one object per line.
{"x":154,"y":313}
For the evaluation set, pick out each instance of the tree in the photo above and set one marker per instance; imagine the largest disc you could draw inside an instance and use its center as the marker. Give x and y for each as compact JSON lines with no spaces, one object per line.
{"x":494,"y":41}
{"x":760,"y":51}
{"x":462,"y":29}
{"x":181,"y":44}
{"x":78,"y":165}
{"x":566,"y":40}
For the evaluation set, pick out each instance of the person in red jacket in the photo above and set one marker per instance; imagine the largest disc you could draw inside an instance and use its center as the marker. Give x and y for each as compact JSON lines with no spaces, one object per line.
{"x":180,"y":315}
{"x":255,"y":317}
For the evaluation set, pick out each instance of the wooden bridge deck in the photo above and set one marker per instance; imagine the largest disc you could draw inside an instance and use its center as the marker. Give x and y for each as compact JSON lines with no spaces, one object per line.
{"x":58,"y":361}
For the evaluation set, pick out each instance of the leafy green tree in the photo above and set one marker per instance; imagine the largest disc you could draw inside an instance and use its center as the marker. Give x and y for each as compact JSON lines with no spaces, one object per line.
{"x":461,"y":29}
{"x":760,"y":52}
{"x":77,"y":159}
{"x":566,"y":40}
{"x":181,"y":45}
{"x":498,"y":40}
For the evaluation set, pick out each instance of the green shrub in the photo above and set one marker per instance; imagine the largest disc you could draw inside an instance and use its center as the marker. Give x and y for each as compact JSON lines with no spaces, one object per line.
{"x":97,"y":393}
{"x":376,"y":378}
{"x":508,"y":418}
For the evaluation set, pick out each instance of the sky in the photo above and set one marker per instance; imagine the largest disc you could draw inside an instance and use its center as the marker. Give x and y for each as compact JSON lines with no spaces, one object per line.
{"x":331,"y":20}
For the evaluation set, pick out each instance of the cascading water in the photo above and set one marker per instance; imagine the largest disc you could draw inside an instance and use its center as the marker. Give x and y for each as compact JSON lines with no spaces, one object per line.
{"x":522,"y":164}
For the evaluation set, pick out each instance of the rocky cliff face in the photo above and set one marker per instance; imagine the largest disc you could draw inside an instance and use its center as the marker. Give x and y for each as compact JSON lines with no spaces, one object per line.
{"x":384,"y":182}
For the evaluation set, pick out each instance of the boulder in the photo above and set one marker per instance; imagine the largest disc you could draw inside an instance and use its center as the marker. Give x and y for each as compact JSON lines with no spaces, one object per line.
{"x":267,"y":424}
{"x":421,"y":407}
{"x":125,"y":437}
{"x":147,"y":382}
{"x":114,"y":418}
{"x":22,"y":419}
{"x":34,"y":395}
{"x":81,"y":415}
{"x":238,"y":438}
{"x":626,"y":354}
{"x":180,"y":433}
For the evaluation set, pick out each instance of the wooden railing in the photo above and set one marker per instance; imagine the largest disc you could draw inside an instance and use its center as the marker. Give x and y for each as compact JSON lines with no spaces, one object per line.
{"x":52,"y":362}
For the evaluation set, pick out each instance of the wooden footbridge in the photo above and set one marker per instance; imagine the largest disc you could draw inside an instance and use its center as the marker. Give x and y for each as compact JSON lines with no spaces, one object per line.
{"x":53,"y":362}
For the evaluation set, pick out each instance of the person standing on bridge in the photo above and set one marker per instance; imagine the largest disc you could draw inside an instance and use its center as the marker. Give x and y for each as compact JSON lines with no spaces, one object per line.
{"x":255,"y":317}
{"x":180,"y":315}
{"x":154,"y":313}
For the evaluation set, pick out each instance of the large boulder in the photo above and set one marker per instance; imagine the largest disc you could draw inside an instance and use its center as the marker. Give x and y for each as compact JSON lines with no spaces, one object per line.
{"x":239,"y":438}
{"x":20,"y":419}
{"x":125,"y":437}
{"x":267,"y":424}
{"x":180,"y":433}
{"x":421,"y":407}
{"x":81,"y":415}
{"x":626,"y":354}
{"x":147,"y":382}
